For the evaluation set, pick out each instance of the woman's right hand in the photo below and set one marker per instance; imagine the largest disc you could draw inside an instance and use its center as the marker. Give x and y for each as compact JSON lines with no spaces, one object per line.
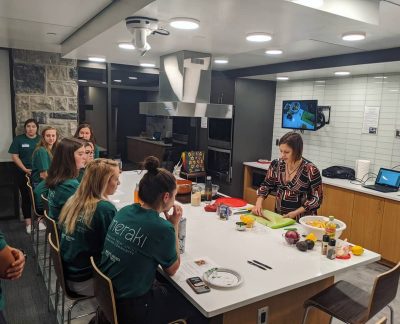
{"x":257,"y":209}
{"x":176,"y":215}
{"x":28,"y":171}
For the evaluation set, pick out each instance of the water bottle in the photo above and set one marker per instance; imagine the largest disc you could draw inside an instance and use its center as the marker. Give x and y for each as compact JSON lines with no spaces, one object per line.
{"x":208,"y":189}
{"x":136,"y":199}
{"x":182,"y":235}
{"x":330,"y":227}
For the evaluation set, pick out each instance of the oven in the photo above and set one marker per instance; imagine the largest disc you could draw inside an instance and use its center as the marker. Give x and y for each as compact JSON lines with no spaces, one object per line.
{"x":219,"y":163}
{"x":220,"y":133}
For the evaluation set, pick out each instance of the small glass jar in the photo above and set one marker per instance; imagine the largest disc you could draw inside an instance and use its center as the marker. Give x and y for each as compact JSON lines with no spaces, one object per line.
{"x":195,"y":198}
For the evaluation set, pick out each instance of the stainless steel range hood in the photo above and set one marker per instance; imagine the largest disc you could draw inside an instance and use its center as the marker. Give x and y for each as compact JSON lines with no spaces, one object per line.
{"x":185,"y":85}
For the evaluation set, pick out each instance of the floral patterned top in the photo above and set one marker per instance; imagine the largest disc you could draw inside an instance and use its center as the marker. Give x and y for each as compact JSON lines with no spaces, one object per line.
{"x":305,"y":189}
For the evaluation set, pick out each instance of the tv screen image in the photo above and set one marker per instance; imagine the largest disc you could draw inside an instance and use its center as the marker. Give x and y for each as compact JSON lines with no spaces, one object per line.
{"x":299,"y":114}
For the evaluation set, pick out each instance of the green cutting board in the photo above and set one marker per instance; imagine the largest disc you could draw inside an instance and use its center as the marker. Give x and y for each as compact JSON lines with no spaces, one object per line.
{"x":277,"y":221}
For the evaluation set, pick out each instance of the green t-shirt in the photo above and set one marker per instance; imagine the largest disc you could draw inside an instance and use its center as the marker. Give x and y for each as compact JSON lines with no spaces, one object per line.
{"x":24,"y":147}
{"x":96,"y":151}
{"x":41,"y":161}
{"x":40,"y":189}
{"x":3,"y":244}
{"x":137,"y":241}
{"x":80,"y":176}
{"x":59,"y":195}
{"x":78,"y":247}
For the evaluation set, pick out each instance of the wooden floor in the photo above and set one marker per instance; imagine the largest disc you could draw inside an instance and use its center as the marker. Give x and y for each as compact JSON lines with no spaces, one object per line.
{"x":26,"y":298}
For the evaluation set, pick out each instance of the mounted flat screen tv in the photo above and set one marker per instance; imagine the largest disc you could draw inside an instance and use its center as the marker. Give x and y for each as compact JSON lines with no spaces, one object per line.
{"x":300,"y":114}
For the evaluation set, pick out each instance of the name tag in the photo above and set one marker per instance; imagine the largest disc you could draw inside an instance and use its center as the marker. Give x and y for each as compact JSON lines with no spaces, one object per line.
{"x":25,"y":145}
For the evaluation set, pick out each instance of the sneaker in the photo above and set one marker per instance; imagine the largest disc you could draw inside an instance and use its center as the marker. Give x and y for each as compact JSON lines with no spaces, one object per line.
{"x":42,"y":227}
{"x":28,"y":229}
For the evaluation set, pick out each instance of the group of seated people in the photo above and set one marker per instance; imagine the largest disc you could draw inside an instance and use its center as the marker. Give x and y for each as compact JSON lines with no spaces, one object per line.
{"x":77,"y":188}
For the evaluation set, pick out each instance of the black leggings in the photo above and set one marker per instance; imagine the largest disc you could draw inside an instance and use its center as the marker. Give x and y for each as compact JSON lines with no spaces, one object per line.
{"x":162,"y":304}
{"x":24,"y":190}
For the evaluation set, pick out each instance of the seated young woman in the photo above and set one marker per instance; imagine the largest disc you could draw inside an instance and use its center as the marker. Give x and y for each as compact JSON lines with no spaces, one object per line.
{"x":89,"y":151}
{"x":69,"y":157}
{"x":84,"y":221}
{"x":85,"y":131}
{"x":137,"y":242}
{"x":43,"y":155}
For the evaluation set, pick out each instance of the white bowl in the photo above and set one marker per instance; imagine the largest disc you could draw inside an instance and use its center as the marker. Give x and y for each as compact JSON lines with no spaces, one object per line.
{"x":340,"y":226}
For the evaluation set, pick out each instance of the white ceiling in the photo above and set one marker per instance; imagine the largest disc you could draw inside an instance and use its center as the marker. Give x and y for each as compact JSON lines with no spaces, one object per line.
{"x":301,"y":32}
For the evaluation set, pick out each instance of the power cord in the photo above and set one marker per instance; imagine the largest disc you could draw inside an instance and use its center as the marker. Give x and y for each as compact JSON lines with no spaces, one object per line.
{"x":396,"y":166}
{"x":362,"y":181}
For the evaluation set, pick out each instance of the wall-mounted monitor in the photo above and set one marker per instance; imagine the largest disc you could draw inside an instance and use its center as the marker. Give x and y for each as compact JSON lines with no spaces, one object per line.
{"x":300,"y":114}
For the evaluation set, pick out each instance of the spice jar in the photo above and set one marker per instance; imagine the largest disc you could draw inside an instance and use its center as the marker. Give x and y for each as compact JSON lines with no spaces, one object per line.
{"x":195,"y":198}
{"x":331,"y":253}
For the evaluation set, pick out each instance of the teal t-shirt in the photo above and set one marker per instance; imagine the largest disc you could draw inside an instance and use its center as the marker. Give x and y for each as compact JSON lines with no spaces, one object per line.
{"x":41,"y":161}
{"x":3,"y":244}
{"x":137,"y":241}
{"x":78,"y":247}
{"x":96,"y":151}
{"x":24,"y":147}
{"x":80,"y":176}
{"x":40,"y":189}
{"x":59,"y":195}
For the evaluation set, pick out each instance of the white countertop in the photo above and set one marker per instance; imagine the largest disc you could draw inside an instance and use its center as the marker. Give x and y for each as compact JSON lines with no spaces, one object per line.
{"x":209,"y":238}
{"x":143,"y":139}
{"x":341,"y":183}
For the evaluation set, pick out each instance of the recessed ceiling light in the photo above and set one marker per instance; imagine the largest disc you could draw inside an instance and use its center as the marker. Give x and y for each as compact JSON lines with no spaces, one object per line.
{"x":394,"y":90}
{"x":274,"y":52}
{"x":351,"y":37}
{"x":97,"y":59}
{"x":221,"y":61}
{"x":380,"y":77}
{"x":342,"y":73}
{"x":282,"y":78}
{"x":117,"y":81}
{"x":80,"y":80}
{"x":132,"y":78}
{"x":104,"y":82}
{"x":127,"y":46}
{"x":147,"y":64}
{"x":310,"y":3}
{"x":184,"y":23}
{"x":51,"y":34}
{"x":258,"y":37}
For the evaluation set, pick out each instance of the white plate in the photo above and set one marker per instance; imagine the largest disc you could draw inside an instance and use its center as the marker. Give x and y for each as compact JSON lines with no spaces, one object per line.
{"x":222,"y":278}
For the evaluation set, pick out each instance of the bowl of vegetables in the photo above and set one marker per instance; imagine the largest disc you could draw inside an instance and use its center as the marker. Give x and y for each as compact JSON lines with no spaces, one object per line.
{"x":316,"y":225}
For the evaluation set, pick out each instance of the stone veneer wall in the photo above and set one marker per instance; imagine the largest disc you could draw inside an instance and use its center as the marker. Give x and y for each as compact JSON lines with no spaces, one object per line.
{"x":46,"y":88}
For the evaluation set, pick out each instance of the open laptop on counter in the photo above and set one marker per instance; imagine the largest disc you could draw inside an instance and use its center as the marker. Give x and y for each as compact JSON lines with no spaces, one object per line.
{"x":388,"y":180}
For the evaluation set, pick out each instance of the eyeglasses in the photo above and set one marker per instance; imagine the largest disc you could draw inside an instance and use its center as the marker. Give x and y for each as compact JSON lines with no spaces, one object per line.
{"x":89,"y":152}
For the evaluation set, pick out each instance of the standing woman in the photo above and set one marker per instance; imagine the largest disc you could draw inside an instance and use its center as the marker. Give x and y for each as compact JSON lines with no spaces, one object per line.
{"x":84,"y":221}
{"x":297,"y":182}
{"x":21,"y":150}
{"x":43,"y":155}
{"x":131,"y":256}
{"x":85,"y":131}
{"x":69,"y":157}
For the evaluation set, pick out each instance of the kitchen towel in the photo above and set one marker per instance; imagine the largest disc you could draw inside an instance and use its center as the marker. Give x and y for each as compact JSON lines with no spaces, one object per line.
{"x":362,"y":168}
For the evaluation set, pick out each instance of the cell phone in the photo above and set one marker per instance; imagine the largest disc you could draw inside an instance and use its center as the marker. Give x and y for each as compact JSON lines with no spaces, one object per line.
{"x":198,"y":285}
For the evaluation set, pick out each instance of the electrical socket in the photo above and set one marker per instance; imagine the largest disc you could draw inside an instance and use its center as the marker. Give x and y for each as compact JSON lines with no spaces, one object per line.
{"x":262,"y":315}
{"x":277,"y":142}
{"x":397,"y":133}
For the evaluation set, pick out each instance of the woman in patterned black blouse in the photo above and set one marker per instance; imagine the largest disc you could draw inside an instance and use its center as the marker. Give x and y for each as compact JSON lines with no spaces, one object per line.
{"x":297,"y":182}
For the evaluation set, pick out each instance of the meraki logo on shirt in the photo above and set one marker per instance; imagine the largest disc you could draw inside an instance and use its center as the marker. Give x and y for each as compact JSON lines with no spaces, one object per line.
{"x":25,"y":145}
{"x":128,"y":233}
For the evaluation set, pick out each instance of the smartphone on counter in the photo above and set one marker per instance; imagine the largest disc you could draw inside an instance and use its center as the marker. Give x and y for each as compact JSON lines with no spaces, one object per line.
{"x":198,"y":285}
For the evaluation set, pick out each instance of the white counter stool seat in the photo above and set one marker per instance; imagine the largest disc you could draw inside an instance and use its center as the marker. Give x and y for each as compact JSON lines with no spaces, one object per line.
{"x":351,"y":304}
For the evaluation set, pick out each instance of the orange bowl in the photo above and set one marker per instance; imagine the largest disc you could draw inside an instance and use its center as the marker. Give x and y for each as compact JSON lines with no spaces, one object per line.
{"x":184,"y":186}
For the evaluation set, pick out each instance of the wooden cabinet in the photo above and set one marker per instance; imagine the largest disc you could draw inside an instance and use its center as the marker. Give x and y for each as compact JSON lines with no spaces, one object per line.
{"x":367,"y":221}
{"x":389,"y":245}
{"x":339,"y":203}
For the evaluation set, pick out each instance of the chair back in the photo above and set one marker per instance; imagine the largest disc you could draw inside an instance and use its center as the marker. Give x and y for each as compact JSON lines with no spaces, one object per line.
{"x":104,"y":293}
{"x":51,"y":227}
{"x":57,"y":262}
{"x":45,"y":202}
{"x":384,"y":290}
{"x":32,"y":196}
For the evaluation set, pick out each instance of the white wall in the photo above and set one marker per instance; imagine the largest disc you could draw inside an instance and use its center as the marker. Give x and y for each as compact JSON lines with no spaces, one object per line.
{"x":5,"y":107}
{"x":342,"y":142}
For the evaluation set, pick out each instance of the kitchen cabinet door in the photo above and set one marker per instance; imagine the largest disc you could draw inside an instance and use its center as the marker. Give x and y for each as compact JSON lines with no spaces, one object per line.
{"x":339,"y":203}
{"x":250,"y":195}
{"x":367,"y":221}
{"x":389,"y":242}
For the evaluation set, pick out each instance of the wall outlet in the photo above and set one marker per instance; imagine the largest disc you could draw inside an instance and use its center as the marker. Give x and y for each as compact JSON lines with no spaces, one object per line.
{"x":397,"y":133}
{"x":277,"y":142}
{"x":262,"y":315}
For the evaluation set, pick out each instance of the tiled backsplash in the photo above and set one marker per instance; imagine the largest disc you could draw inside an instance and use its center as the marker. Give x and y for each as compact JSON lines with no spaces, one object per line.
{"x":341,"y":142}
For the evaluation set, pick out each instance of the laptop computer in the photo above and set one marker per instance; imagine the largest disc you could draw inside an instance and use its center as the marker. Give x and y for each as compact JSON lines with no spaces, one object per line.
{"x":388,"y":180}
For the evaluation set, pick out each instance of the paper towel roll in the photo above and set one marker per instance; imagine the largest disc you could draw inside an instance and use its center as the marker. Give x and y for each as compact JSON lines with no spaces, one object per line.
{"x":362,"y":168}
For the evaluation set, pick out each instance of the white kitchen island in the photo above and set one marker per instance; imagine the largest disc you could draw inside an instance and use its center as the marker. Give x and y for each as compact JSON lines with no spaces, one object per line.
{"x":294,"y":277}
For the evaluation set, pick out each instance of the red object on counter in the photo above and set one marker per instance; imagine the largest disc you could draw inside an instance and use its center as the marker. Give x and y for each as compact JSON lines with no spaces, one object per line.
{"x":231,"y":202}
{"x":211,"y":207}
{"x":344,"y":257}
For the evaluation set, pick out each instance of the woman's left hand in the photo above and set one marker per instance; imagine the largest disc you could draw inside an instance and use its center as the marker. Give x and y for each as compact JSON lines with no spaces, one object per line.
{"x":17,"y":267}
{"x":291,"y":214}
